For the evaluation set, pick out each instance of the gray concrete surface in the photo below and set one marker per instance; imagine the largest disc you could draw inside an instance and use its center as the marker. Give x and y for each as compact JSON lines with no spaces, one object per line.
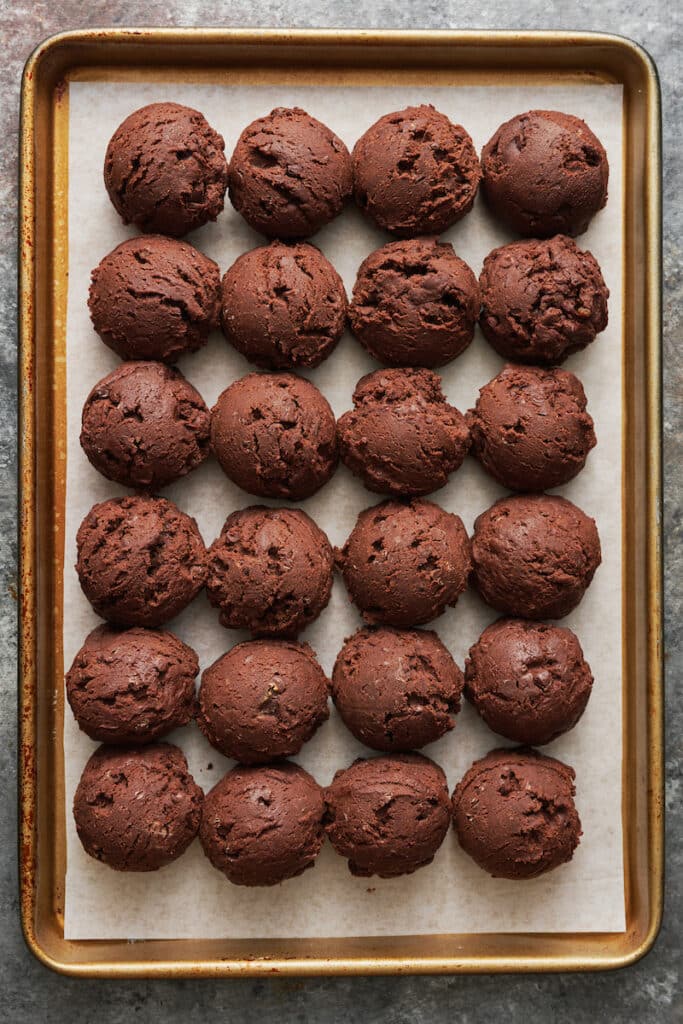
{"x":648,"y":992}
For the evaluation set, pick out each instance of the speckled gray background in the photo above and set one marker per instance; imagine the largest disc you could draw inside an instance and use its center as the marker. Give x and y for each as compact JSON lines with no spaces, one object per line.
{"x":649,"y":992}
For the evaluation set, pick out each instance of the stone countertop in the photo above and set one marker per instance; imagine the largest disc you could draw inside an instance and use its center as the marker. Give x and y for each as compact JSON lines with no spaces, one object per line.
{"x":651,"y":991}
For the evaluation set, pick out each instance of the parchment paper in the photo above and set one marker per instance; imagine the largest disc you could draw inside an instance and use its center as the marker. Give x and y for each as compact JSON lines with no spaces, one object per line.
{"x":189,"y":898}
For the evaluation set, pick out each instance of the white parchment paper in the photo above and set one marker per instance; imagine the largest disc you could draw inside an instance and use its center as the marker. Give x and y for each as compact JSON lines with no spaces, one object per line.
{"x":189,"y":898}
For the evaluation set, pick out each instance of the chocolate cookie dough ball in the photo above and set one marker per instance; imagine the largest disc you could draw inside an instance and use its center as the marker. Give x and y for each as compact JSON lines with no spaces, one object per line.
{"x":145,"y":426}
{"x":165,"y":169}
{"x":530,"y":429}
{"x":405,"y":564}
{"x":541,"y":300}
{"x":132,"y":686}
{"x":415,"y":172}
{"x":137,"y":808}
{"x":534,"y":555}
{"x":275,"y":435}
{"x":402,"y":438}
{"x":261,"y":826}
{"x":545,"y":172}
{"x":283,"y":306}
{"x":289,"y":174}
{"x":414,"y":303}
{"x":514,"y":813}
{"x":263,"y":700}
{"x":154,"y":298}
{"x":388,"y":815}
{"x":528,"y":681}
{"x":396,"y":690}
{"x":140,"y":560}
{"x":270,"y":571}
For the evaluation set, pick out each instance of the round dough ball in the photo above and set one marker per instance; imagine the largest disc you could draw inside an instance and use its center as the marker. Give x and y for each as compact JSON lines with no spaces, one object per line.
{"x":132,"y":686}
{"x":415,"y":172}
{"x":402,"y":438}
{"x":396,"y":690}
{"x":137,"y":808}
{"x":528,"y":681}
{"x":388,"y":815}
{"x":289,"y":174}
{"x":404,"y":564}
{"x":545,"y":173}
{"x":154,"y":298}
{"x":144,"y":426}
{"x":414,"y":303}
{"x":275,"y":435}
{"x":541,"y":300}
{"x":270,"y":571}
{"x":530,"y":429}
{"x":165,"y":170}
{"x":263,"y":825}
{"x":263,"y":700}
{"x":141,"y":560}
{"x":534,"y":555}
{"x":514,"y":813}
{"x":283,"y":306}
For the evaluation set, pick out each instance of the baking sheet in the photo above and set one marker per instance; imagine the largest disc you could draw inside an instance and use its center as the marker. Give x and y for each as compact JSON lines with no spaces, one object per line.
{"x":189,"y":898}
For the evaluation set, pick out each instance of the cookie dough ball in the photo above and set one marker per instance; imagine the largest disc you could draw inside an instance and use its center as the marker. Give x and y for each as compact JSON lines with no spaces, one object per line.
{"x":144,"y":426}
{"x":415,"y":172}
{"x":261,"y":826}
{"x":402,"y":438}
{"x":404,"y":564}
{"x":137,"y":808}
{"x":154,"y":298}
{"x":545,"y":173}
{"x":283,"y":306}
{"x":289,"y":174}
{"x":534,"y":555}
{"x":514,"y":813}
{"x":140,"y":561}
{"x":132,"y":686}
{"x":414,"y":303}
{"x":263,"y":700}
{"x":275,"y":435}
{"x":388,"y":815}
{"x":528,"y":681}
{"x":270,"y":571}
{"x":541,"y":300}
{"x":530,"y":429}
{"x":396,"y":690}
{"x":165,"y":169}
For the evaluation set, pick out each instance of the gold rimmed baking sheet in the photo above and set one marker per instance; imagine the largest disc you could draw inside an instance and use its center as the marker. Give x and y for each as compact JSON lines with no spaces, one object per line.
{"x":317,"y":58}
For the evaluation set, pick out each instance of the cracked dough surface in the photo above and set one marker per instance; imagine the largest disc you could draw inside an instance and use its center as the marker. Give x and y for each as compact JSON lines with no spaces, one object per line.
{"x":144,"y":426}
{"x":133,"y":685}
{"x":396,"y":690}
{"x":542,"y":300}
{"x":415,"y":172}
{"x":534,"y":555}
{"x":275,"y":435}
{"x":154,"y":298}
{"x":165,"y":169}
{"x":404,"y":564}
{"x":140,"y":560}
{"x":415,"y":303}
{"x":137,"y":809}
{"x":263,"y":825}
{"x":270,"y":571}
{"x":388,"y":815}
{"x":289,"y":174}
{"x":514,"y":813}
{"x":283,"y":306}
